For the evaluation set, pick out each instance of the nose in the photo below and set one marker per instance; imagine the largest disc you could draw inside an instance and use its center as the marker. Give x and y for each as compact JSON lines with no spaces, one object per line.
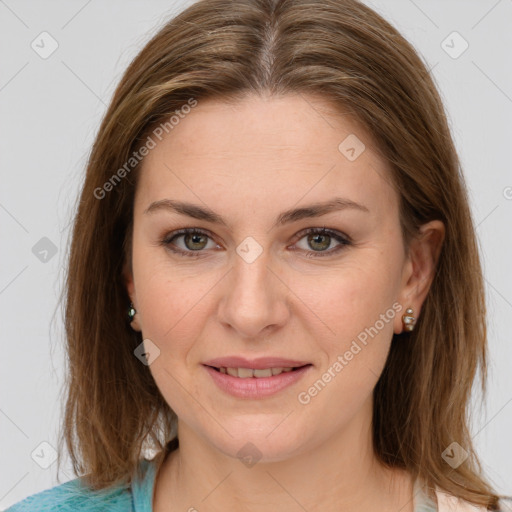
{"x":255,"y":299}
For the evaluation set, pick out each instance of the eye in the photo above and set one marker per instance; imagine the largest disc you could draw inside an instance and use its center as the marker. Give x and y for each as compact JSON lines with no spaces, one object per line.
{"x":192,"y":244}
{"x":320,"y":240}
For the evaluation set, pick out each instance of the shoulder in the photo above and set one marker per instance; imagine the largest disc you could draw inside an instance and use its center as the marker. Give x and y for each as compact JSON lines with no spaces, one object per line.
{"x":505,"y":504}
{"x":75,"y":496}
{"x":448,"y":503}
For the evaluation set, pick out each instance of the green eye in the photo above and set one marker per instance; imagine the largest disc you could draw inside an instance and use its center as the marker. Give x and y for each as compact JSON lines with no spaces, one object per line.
{"x":194,"y":242}
{"x":320,"y":239}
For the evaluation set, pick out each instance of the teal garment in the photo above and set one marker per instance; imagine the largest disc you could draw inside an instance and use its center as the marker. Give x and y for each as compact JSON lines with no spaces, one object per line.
{"x":73,"y":496}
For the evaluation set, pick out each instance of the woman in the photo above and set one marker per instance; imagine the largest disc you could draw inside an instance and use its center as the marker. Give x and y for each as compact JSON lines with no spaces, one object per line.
{"x":274,"y":281}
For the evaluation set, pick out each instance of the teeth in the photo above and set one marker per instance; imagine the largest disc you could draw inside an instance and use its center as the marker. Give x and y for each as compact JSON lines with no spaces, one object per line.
{"x":267,"y":372}
{"x":245,"y":373}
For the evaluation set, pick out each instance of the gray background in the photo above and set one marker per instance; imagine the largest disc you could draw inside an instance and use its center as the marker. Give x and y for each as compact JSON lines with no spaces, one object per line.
{"x":50,"y":110}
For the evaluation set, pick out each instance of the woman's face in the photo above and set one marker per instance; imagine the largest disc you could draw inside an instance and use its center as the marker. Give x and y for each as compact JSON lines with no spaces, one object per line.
{"x":252,"y":179}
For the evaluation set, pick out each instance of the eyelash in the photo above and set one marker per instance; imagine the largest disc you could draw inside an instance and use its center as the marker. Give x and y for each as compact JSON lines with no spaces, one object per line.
{"x":343,"y":240}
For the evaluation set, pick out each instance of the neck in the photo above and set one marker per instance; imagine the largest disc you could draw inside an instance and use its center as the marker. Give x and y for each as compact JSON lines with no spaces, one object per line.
{"x":341,"y":474}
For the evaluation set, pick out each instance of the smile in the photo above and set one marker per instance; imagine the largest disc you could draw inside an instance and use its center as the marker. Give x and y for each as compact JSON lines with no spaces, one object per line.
{"x":255,"y":383}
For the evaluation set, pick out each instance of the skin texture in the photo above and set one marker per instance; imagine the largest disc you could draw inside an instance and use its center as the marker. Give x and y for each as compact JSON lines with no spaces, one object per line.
{"x":248,"y":162}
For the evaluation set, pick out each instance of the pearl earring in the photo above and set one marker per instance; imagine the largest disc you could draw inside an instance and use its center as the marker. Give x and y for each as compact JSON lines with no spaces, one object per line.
{"x":408,"y":320}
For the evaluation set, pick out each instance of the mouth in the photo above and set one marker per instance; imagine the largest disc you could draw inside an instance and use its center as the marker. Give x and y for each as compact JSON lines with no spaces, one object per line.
{"x":256,"y":373}
{"x":256,"y":378}
{"x":256,"y":383}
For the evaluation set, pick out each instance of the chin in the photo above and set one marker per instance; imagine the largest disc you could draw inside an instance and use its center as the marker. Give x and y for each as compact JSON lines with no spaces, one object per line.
{"x":265,"y":441}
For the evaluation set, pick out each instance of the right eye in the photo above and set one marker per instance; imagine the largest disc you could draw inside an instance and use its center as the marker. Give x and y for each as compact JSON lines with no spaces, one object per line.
{"x":193,"y":241}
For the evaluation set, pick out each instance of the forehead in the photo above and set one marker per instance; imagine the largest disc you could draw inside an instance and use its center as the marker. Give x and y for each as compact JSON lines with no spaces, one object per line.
{"x":275,"y":151}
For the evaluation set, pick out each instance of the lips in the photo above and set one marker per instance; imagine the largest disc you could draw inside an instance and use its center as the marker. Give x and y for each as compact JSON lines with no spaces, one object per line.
{"x":256,"y":378}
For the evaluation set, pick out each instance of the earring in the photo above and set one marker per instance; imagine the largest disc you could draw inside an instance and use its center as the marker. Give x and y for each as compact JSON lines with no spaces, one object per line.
{"x":131,"y":312}
{"x":408,"y":320}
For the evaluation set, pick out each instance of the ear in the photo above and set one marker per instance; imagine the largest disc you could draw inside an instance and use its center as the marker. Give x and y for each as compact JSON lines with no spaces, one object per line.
{"x":130,"y":288}
{"x":419,"y":269}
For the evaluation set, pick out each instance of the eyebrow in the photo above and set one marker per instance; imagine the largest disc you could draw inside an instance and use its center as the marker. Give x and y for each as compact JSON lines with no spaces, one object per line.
{"x":288,"y":216}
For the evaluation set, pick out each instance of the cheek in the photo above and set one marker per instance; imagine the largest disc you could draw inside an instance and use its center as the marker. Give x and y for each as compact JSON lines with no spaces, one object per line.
{"x":172,"y":310}
{"x":356,"y":303}
{"x":357,"y":306}
{"x":350,"y":298}
{"x":174,"y":300}
{"x":174,"y":315}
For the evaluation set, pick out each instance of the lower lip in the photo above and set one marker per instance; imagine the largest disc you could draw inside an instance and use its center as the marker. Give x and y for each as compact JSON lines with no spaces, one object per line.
{"x":255,"y":387}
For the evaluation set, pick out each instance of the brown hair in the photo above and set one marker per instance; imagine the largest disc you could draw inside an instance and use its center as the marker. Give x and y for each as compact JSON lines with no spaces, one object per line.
{"x":344,"y":52}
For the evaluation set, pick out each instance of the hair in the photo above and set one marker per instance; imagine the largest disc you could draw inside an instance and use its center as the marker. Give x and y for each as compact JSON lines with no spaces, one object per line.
{"x":347,"y":54}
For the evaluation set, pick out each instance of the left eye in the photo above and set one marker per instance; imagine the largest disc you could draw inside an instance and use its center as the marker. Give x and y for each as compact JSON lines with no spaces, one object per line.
{"x":321,"y":239}
{"x":194,"y":241}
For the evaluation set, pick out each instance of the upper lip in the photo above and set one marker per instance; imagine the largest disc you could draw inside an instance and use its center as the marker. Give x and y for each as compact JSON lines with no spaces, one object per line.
{"x":256,"y":364}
